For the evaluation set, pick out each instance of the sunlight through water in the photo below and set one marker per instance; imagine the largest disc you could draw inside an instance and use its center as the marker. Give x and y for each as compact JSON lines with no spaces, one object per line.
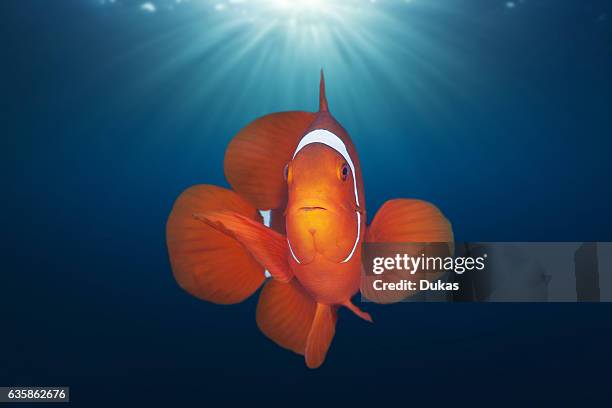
{"x":234,"y":51}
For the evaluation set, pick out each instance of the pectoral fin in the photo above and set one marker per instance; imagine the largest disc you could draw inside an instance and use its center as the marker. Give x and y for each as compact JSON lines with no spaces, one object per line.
{"x":358,"y":312}
{"x":398,"y":223}
{"x":267,"y":246}
{"x":404,"y":220}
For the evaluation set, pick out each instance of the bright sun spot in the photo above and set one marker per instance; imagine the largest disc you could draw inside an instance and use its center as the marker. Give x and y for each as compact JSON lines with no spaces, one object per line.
{"x":299,"y":5}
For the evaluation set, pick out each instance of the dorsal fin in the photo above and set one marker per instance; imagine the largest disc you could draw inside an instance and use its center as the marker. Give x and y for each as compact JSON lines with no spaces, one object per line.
{"x":322,"y":98}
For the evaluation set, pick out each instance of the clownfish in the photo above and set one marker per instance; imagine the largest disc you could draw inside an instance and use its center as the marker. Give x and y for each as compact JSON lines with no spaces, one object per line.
{"x":303,"y":167}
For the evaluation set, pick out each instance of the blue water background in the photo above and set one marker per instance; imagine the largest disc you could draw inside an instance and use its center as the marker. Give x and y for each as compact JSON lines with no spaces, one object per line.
{"x":507,"y":128}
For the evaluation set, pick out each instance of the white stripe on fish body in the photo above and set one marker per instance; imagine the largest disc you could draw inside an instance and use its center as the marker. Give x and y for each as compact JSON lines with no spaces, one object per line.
{"x":291,"y":250}
{"x":348,"y":258}
{"x":329,"y":139}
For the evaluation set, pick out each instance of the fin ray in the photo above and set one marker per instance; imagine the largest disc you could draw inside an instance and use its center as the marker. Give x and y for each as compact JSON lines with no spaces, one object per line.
{"x":267,"y":246}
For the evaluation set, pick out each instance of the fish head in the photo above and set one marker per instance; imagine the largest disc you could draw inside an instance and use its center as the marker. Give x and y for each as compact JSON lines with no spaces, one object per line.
{"x":322,"y":216}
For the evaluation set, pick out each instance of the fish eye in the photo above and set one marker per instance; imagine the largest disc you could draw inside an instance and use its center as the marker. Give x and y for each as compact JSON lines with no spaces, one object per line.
{"x":344,"y":172}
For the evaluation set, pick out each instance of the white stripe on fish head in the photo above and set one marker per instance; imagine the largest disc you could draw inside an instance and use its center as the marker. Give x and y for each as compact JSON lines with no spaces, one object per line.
{"x":330,"y":139}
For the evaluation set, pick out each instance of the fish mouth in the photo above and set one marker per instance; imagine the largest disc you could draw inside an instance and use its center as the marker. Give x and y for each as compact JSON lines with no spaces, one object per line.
{"x":313,"y":208}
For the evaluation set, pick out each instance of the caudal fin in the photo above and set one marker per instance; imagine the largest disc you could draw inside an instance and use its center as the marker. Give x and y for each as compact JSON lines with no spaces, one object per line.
{"x":206,"y":262}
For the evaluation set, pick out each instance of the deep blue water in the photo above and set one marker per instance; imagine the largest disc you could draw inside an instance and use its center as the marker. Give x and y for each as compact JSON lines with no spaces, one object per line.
{"x":500,"y":116}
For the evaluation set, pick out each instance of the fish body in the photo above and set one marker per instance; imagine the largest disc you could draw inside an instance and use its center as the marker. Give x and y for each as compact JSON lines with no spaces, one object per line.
{"x":304,"y":167}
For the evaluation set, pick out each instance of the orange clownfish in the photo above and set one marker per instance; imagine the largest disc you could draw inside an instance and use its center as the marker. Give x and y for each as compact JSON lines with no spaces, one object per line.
{"x":303,"y":167}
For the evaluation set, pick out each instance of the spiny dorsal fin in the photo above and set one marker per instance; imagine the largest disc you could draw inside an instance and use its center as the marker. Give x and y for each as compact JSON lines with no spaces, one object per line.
{"x":322,"y":98}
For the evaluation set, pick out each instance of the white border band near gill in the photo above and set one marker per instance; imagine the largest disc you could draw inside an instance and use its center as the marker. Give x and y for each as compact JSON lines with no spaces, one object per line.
{"x":329,"y":139}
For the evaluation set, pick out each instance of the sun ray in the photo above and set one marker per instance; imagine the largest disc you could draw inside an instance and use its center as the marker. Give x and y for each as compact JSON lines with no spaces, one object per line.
{"x":236,"y":47}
